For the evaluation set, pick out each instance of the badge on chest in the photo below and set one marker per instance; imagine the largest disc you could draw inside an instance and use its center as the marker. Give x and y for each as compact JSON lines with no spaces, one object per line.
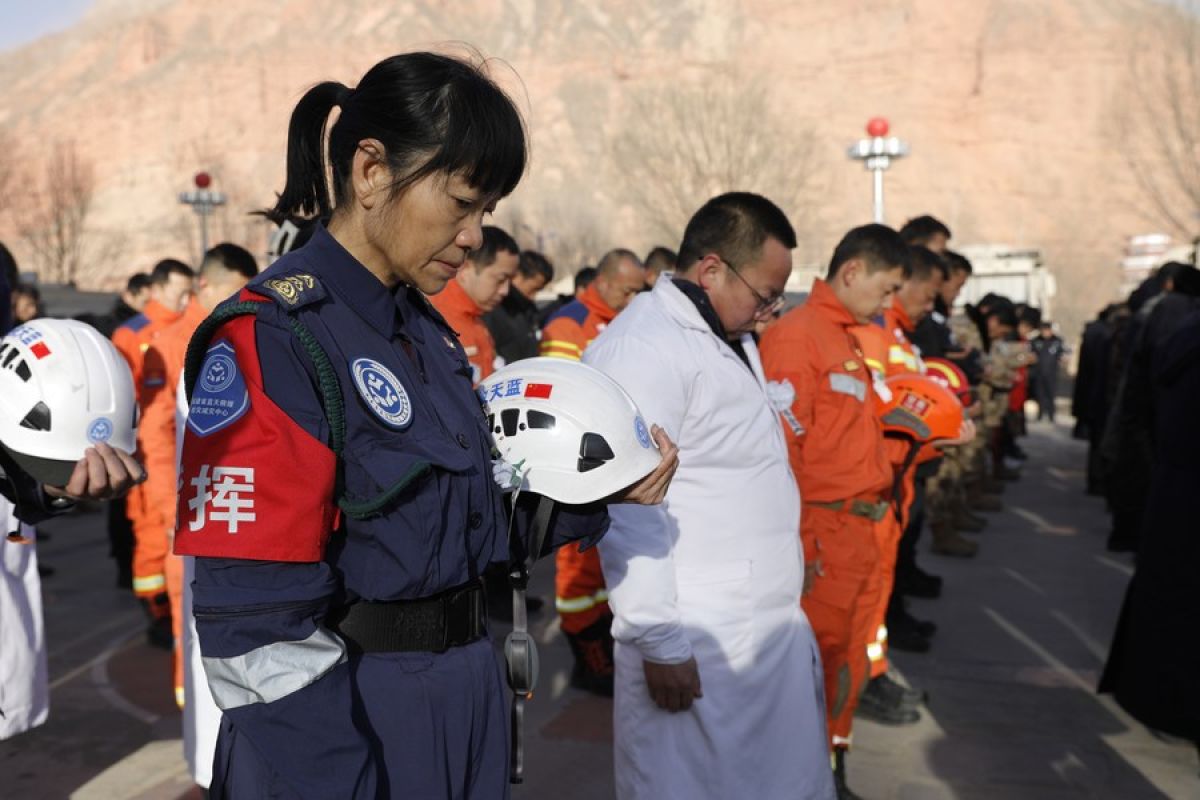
{"x":383,"y":392}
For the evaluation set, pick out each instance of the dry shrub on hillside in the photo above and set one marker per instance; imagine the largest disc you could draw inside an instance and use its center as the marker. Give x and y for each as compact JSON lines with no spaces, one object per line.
{"x":1157,"y":113}
{"x":677,"y":145}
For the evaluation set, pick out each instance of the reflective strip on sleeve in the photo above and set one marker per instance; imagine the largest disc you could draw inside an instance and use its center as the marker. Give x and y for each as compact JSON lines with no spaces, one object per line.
{"x":150,"y":583}
{"x":847,"y":384}
{"x":898,"y":355}
{"x":576,"y":605}
{"x":273,"y":671}
{"x":557,"y":348}
{"x":875,"y":651}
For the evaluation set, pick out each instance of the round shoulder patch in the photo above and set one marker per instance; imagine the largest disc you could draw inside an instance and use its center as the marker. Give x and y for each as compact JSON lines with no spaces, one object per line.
{"x":101,"y":430}
{"x":382,"y":392}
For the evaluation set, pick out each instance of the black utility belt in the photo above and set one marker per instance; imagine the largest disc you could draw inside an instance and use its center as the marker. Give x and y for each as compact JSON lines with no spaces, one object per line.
{"x":430,"y":624}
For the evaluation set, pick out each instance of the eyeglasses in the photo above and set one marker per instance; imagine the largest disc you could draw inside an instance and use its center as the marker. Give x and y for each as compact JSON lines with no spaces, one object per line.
{"x":765,"y":304}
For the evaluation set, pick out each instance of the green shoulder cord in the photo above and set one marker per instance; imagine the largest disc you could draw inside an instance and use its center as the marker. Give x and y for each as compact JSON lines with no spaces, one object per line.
{"x":331,"y":402}
{"x":520,"y":649}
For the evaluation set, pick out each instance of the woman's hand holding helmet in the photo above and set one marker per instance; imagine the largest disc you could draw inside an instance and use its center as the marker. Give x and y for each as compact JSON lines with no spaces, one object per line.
{"x":652,"y":489}
{"x":103,"y":473}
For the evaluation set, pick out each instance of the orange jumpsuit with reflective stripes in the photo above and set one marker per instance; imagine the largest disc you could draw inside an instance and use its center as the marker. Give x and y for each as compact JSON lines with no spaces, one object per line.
{"x":465,"y":317}
{"x":888,"y":352}
{"x":580,"y":594}
{"x":157,"y":441}
{"x":133,"y":339}
{"x":835,"y":445}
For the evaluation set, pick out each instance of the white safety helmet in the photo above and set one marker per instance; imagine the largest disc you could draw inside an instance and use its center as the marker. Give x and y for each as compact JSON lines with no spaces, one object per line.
{"x":63,"y":388}
{"x":575,"y":434}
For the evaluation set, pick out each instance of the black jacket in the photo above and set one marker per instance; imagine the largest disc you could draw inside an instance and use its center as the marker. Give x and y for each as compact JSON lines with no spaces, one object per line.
{"x":514,"y":327}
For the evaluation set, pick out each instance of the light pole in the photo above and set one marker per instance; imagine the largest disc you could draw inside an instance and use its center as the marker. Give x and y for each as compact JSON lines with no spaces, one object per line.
{"x":877,"y":153}
{"x":203,"y":202}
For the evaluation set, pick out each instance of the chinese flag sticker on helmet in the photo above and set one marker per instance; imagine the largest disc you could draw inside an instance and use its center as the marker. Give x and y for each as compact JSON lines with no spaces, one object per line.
{"x":577,"y":434}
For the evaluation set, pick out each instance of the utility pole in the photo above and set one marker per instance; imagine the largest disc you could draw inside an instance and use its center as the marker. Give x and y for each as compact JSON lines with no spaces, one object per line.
{"x":877,"y":153}
{"x":203,"y":202}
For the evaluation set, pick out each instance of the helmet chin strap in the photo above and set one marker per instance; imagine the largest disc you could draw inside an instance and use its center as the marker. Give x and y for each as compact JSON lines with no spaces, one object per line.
{"x":520,"y":649}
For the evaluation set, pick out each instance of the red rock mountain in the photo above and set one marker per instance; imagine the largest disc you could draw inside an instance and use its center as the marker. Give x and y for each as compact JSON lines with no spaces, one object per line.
{"x":1007,"y":105}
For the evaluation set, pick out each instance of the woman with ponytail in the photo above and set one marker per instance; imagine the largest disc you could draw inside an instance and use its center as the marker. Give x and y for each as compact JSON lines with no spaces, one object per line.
{"x":336,"y":474}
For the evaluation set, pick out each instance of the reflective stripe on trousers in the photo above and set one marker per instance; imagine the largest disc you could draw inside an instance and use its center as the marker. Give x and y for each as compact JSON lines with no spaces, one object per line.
{"x":574,"y":605}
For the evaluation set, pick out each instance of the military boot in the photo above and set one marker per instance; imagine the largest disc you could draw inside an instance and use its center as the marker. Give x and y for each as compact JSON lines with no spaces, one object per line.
{"x":839,"y":776}
{"x":947,"y":541}
{"x":980,"y":501}
{"x":967,"y":522}
{"x":593,"y":651}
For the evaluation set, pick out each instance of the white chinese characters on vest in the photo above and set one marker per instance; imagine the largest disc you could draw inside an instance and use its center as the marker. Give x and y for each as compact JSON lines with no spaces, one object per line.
{"x":222,"y":494}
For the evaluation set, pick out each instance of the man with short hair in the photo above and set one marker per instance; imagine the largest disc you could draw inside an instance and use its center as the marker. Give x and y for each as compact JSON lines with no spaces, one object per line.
{"x":927,"y":231}
{"x":514,"y":323}
{"x":717,"y":673}
{"x":226,"y":268}
{"x":659,"y":260}
{"x":837,"y":454}
{"x":170,"y":289}
{"x":478,"y":287}
{"x":580,"y":594}
{"x":128,"y":305}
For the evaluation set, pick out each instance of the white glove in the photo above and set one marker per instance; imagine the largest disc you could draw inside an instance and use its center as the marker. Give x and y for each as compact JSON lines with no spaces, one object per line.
{"x":781,"y":395}
{"x":508,"y":476}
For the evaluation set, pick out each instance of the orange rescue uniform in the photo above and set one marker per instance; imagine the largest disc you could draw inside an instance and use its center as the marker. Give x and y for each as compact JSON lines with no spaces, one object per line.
{"x":465,"y":317}
{"x":581,"y":596}
{"x":888,"y":352}
{"x":133,"y":339}
{"x":157,"y":441}
{"x":835,"y":444}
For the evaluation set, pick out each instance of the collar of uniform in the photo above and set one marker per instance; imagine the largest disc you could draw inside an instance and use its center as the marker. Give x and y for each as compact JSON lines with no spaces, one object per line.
{"x":595,"y":303}
{"x":352,"y":282}
{"x":194,"y":314}
{"x":454,"y":299}
{"x":896,"y":315}
{"x":827,"y":303}
{"x":680,"y":307}
{"x":157,"y":312}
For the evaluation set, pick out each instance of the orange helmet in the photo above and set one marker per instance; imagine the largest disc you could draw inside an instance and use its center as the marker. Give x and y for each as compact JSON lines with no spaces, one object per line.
{"x":948,"y":374}
{"x":922,"y":408}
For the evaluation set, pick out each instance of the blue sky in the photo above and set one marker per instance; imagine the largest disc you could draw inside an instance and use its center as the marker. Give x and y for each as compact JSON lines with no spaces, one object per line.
{"x":22,"y":21}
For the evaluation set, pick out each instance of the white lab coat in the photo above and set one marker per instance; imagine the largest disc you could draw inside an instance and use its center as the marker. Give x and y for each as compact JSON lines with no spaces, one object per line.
{"x":201,"y":717}
{"x":715,"y":572}
{"x":24,"y":695}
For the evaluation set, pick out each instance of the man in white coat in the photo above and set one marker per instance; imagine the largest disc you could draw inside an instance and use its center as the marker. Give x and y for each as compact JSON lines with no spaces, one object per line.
{"x":718,"y":689}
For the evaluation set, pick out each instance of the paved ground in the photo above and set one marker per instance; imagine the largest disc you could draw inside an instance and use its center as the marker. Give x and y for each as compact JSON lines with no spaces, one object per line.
{"x":1012,"y":713}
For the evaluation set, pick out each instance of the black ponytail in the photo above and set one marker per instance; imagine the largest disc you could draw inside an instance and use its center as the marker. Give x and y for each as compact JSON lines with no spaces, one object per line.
{"x":306,"y":191}
{"x":432,"y":113}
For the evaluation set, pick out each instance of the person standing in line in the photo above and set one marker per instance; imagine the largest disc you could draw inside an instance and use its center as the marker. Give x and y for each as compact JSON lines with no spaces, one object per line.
{"x":837,"y":453}
{"x":484,"y":281}
{"x":514,"y":323}
{"x":718,"y":678}
{"x":659,"y":260}
{"x":170,"y":289}
{"x":581,"y":598}
{"x":226,"y":268}
{"x":342,"y":626}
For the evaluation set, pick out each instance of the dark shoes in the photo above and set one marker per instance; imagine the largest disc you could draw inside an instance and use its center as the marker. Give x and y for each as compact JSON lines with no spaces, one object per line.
{"x":887,"y":702}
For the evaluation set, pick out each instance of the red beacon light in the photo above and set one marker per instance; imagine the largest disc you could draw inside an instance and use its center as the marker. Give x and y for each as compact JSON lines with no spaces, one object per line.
{"x":877,"y":127}
{"x":202,"y":180}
